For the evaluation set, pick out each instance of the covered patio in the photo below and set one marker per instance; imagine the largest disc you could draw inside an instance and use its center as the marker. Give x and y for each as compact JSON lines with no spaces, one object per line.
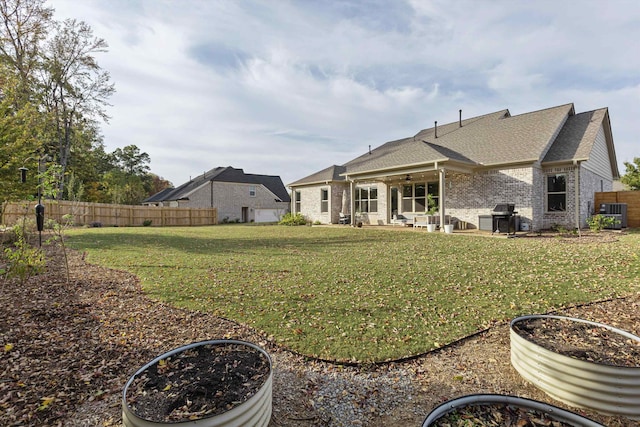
{"x":408,"y":191}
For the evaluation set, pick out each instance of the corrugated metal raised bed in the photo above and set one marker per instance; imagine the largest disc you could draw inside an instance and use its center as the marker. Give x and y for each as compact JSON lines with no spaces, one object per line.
{"x":613,"y":390}
{"x":196,"y":370}
{"x":467,"y":403}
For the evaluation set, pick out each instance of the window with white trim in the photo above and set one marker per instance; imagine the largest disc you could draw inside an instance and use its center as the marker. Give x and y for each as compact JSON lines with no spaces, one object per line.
{"x":252,"y":191}
{"x":556,"y":192}
{"x":414,"y":196}
{"x":324,"y":200}
{"x":366,"y":199}
{"x":297,"y":200}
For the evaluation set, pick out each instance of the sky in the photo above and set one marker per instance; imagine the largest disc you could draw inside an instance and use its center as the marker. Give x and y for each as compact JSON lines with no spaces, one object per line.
{"x":290,"y":88}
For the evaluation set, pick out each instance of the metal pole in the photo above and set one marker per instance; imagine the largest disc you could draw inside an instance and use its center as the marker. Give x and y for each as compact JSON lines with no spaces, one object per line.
{"x":40,"y":206}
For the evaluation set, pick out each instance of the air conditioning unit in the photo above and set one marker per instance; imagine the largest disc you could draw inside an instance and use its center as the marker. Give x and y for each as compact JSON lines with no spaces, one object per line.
{"x":617,"y":211}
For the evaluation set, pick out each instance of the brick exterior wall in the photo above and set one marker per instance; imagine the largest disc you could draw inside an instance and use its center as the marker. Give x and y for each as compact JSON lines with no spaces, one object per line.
{"x":310,"y":204}
{"x":469,"y":196}
{"x":229,"y":198}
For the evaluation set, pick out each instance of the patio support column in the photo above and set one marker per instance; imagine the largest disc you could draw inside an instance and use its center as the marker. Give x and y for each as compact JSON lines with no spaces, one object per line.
{"x":352,"y":211}
{"x":441,"y":190}
{"x":387,"y":219}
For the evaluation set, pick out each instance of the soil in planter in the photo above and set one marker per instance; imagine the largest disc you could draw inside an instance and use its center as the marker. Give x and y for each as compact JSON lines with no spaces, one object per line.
{"x":581,"y":341}
{"x":496,"y":414}
{"x":200,"y":382}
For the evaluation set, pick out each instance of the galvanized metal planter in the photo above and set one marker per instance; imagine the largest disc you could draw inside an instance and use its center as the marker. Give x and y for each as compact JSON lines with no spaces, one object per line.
{"x":613,"y":390}
{"x":256,"y":411}
{"x":557,"y":414}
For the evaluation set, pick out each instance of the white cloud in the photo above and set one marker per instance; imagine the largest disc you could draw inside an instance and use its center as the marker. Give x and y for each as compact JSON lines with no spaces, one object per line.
{"x":290,"y":88}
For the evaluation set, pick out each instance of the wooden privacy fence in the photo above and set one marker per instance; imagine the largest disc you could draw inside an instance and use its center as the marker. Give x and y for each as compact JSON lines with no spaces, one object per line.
{"x":631,"y":198}
{"x":85,"y":213}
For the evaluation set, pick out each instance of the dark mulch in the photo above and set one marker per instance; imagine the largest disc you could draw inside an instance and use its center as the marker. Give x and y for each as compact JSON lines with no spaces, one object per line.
{"x":199,"y":382}
{"x":65,"y":346}
{"x":582,"y":341}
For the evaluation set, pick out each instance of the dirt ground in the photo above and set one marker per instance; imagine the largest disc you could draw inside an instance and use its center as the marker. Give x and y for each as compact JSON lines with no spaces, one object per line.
{"x":67,"y":349}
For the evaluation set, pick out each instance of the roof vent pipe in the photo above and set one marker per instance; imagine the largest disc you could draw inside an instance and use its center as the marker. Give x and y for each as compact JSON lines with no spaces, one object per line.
{"x":436,"y":129}
{"x":460,"y":111}
{"x":369,"y":149}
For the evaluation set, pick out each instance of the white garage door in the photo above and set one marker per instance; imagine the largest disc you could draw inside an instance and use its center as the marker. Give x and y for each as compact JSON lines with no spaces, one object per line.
{"x":267,"y":215}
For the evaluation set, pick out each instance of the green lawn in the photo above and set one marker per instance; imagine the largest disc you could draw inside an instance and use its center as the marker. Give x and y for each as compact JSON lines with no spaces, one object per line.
{"x":366,"y":295}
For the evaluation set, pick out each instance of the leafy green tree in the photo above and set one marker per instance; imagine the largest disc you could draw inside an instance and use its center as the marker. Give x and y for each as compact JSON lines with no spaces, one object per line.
{"x":125,"y":182}
{"x":154,"y":184}
{"x":51,"y":92}
{"x":131,"y":161}
{"x":88,"y":163}
{"x":25,"y":26}
{"x":19,"y":132}
{"x":632,"y":174}
{"x":75,"y":88}
{"x":53,"y":95}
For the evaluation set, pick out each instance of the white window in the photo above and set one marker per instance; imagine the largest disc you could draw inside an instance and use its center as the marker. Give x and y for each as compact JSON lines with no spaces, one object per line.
{"x":324,"y":200}
{"x":297,"y":201}
{"x":367,"y":199}
{"x":252,"y":191}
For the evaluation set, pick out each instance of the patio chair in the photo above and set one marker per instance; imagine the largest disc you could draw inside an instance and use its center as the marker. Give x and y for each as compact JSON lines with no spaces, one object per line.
{"x":344,"y":219}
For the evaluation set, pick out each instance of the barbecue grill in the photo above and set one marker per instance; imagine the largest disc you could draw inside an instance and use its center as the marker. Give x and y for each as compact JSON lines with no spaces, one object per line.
{"x":503,"y":218}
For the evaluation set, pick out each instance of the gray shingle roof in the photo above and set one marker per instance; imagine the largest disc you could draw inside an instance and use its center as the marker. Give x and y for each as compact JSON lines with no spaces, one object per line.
{"x":551,"y":134}
{"x":577,"y":137}
{"x":222,"y":174}
{"x":332,"y":173}
{"x":159,"y":196}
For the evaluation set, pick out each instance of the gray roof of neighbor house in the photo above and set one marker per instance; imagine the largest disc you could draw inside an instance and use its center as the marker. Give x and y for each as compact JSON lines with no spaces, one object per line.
{"x":222,"y":174}
{"x":551,"y":135}
{"x":159,"y":196}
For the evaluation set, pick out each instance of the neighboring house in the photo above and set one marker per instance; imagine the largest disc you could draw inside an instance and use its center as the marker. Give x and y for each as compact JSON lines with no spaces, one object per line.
{"x":236,"y":195}
{"x":549,"y":163}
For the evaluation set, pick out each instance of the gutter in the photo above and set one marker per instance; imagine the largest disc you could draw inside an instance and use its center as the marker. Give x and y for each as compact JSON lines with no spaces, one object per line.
{"x":304,"y":184}
{"x":562,"y":162}
{"x":518,"y":163}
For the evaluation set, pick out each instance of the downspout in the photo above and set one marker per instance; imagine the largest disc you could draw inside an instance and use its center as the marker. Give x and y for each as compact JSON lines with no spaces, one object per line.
{"x":576,"y":172}
{"x":441,"y":198}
